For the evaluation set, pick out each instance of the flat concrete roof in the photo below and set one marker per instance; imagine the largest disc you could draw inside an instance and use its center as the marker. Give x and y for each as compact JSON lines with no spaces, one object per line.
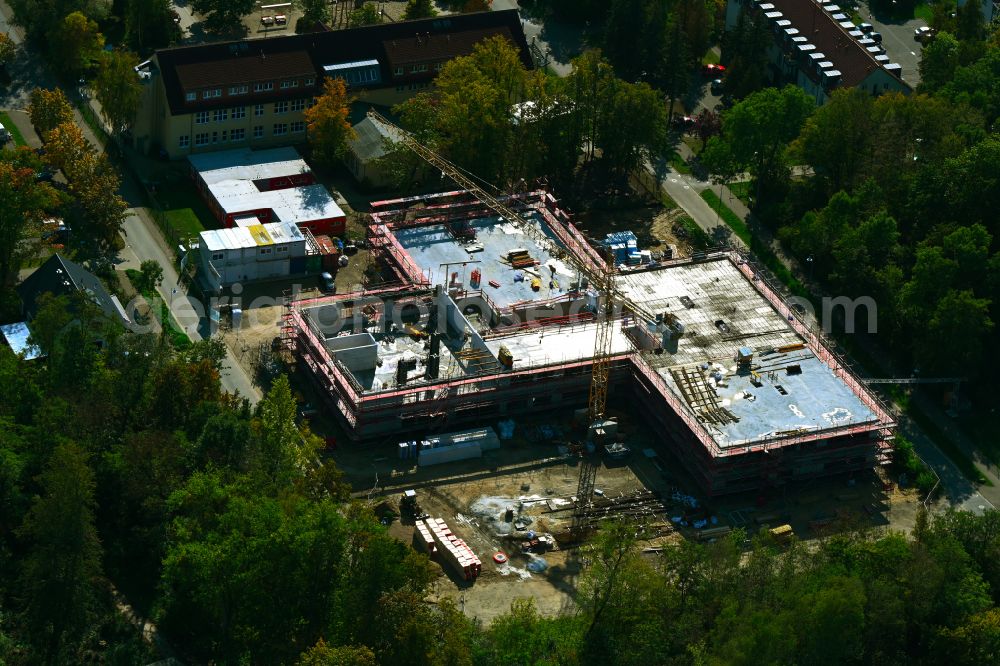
{"x":789,"y":392}
{"x":294,"y":204}
{"x":247,"y":164}
{"x":432,"y":246}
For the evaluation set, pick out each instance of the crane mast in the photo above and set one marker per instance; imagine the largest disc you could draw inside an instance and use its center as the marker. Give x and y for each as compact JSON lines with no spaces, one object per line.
{"x":602,"y":280}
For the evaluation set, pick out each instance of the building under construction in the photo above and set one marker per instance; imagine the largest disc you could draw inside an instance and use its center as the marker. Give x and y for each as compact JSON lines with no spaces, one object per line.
{"x":473,"y":318}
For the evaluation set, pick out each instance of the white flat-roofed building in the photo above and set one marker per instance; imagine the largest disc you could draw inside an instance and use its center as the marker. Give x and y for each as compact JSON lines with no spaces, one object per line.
{"x":256,"y":252}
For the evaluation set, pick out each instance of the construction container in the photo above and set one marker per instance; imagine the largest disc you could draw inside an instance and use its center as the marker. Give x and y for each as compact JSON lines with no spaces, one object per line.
{"x":404,"y":450}
{"x":487,"y":438}
{"x":297,"y":265}
{"x":461,"y":451}
{"x":314,"y":263}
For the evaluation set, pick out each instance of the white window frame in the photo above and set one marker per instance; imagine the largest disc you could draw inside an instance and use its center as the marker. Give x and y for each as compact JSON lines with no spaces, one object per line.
{"x":201,"y":139}
{"x":258,"y":132}
{"x":184,"y":141}
{"x":258,"y":110}
{"x":263,"y":87}
{"x":297,"y":127}
{"x":310,"y":81}
{"x":238,"y":134}
{"x":201,"y":118}
{"x":191,"y":96}
{"x":280,"y":108}
{"x":218,"y":256}
{"x":298,"y":105}
{"x":239,"y":112}
{"x":239,"y":90}
{"x":399,"y":71}
{"x":220,"y":115}
{"x":279,"y":129}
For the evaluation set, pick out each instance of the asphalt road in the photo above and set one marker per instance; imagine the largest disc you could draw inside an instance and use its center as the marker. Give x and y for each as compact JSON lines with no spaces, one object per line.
{"x":897,"y":39}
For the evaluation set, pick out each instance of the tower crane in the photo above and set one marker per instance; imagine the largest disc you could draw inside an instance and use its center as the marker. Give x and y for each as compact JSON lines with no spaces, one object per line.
{"x":602,"y":280}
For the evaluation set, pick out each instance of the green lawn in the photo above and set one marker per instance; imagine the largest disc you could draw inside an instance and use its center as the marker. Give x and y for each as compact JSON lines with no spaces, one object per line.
{"x":923,"y":11}
{"x":710,"y":57}
{"x":738,"y":226}
{"x":741,"y":191}
{"x":14,"y":132}
{"x":678,"y":164}
{"x":184,"y":208}
{"x":178,"y":338}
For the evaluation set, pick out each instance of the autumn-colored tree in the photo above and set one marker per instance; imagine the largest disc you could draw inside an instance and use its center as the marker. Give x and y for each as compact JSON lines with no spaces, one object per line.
{"x":7,"y":49}
{"x":329,"y":129}
{"x":118,"y":89}
{"x":77,"y":45}
{"x":65,"y":148}
{"x":48,"y":109}
{"x":93,"y":181}
{"x":367,"y":14}
{"x":23,"y":201}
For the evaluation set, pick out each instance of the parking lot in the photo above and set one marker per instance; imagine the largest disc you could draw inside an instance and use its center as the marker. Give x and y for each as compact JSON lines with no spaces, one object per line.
{"x":899,"y":44}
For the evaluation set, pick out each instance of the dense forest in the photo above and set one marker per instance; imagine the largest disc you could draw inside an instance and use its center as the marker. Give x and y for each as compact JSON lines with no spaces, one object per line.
{"x":128,"y":476}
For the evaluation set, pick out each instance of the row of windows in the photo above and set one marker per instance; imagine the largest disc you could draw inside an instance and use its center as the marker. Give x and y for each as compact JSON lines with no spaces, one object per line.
{"x":240,"y":134}
{"x":238,"y":112}
{"x":413,"y":86}
{"x":416,"y":69}
{"x":219,"y":256}
{"x":243,"y":89}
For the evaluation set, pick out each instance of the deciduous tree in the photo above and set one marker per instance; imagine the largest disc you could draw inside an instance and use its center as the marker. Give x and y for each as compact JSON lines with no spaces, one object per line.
{"x":416,"y":9}
{"x":224,"y":15}
{"x":118,"y":90}
{"x":23,"y":202}
{"x":368,"y":14}
{"x":63,"y":566}
{"x":48,"y":109}
{"x":7,"y":49}
{"x":328,"y":127}
{"x":77,"y":46}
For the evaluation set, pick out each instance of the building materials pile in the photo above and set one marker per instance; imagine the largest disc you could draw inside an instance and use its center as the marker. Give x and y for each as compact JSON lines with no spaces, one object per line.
{"x":622,"y":244}
{"x":449,"y":548}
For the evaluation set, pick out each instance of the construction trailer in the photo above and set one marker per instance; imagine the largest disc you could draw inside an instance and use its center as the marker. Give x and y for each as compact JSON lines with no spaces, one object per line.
{"x":740,"y":389}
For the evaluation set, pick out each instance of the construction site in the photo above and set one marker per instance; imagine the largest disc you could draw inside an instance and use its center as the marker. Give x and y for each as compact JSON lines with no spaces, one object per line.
{"x":478,"y":317}
{"x":514,"y":384}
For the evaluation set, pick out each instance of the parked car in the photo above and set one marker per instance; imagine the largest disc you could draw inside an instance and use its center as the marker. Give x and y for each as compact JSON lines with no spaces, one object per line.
{"x":924,"y":34}
{"x":876,"y":37}
{"x":713,"y":71}
{"x":5,"y":135}
{"x":684,"y":123}
{"x":866,"y":28}
{"x":717,"y":87}
{"x":326,"y":282}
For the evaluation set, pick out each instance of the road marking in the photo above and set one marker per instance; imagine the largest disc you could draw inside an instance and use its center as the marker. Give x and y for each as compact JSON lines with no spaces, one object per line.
{"x":673,"y":180}
{"x":687,"y":187}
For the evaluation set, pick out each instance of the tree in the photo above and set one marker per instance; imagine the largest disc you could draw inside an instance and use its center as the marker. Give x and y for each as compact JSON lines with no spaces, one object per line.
{"x":23,"y":202}
{"x":328,"y":127}
{"x":744,"y":52}
{"x":938,"y":62}
{"x":66,"y":148}
{"x":367,"y":14}
{"x":322,"y":654}
{"x":118,"y":90}
{"x":150,"y":276}
{"x":149,"y":24}
{"x":49,"y":109}
{"x":313,"y":12}
{"x":77,"y":45}
{"x":759,"y":128}
{"x":63,"y":565}
{"x":835,"y":137}
{"x":224,"y":15}
{"x":7,"y":49}
{"x":417,"y":9}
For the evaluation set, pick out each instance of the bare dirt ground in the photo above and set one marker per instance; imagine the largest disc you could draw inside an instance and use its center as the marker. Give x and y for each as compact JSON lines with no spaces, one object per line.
{"x":538,"y":479}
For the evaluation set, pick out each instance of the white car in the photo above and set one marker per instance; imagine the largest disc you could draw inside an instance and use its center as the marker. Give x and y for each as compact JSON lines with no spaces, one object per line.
{"x":5,"y":135}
